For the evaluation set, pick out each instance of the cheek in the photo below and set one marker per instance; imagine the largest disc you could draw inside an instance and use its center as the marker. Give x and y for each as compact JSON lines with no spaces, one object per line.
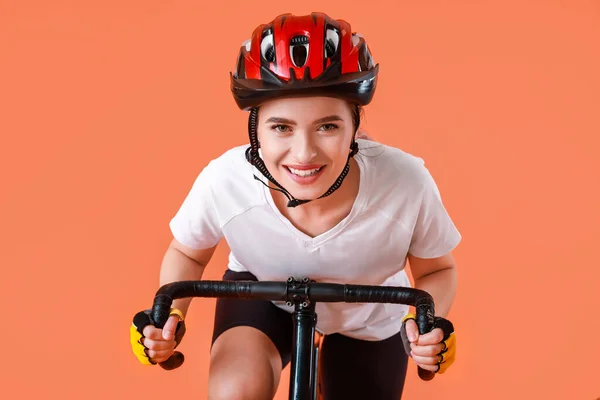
{"x":337,"y":150}
{"x":340,"y":160}
{"x":272,"y":152}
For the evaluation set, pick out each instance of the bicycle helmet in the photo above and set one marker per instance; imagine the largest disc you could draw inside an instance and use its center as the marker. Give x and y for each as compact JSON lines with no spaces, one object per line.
{"x":309,"y":55}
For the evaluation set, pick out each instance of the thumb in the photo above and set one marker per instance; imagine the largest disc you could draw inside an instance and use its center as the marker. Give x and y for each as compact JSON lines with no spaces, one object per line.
{"x":412,"y":330}
{"x":168,"y":330}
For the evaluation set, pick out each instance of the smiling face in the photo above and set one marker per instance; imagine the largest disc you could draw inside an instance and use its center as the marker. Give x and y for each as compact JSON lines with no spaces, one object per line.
{"x":305,"y":142}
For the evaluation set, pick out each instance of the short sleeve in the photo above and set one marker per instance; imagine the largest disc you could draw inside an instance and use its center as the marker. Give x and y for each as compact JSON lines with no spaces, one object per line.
{"x":434,"y":233}
{"x":196,"y":224}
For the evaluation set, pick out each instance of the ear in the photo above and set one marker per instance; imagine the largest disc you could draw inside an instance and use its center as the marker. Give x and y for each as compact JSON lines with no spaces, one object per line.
{"x":363,"y":135}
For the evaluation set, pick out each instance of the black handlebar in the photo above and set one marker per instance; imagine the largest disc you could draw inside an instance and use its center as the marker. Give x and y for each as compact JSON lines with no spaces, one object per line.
{"x":293,"y":292}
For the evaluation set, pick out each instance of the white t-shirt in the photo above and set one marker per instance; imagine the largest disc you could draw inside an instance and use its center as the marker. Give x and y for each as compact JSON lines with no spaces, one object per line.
{"x":398,"y":210}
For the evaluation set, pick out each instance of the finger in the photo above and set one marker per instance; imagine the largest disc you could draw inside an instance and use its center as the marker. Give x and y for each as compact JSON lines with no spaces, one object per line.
{"x":432,"y":368}
{"x":152,"y":332}
{"x":168,"y":331}
{"x":434,"y":337}
{"x":160,"y":344}
{"x":427,"y":351}
{"x":159,"y":356}
{"x":426,"y":360}
{"x":451,"y":345}
{"x":449,"y":355}
{"x":412,"y":330}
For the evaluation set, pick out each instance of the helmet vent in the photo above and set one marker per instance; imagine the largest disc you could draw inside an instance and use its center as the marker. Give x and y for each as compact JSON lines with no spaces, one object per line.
{"x":299,"y":50}
{"x":332,"y":41}
{"x":267,"y":47}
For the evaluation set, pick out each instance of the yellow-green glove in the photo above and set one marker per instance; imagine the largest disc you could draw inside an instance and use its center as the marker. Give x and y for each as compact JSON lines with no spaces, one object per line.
{"x":140,"y":321}
{"x":443,"y":356}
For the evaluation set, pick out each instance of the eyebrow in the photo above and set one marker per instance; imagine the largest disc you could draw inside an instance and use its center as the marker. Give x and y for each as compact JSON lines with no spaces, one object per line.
{"x":328,"y":118}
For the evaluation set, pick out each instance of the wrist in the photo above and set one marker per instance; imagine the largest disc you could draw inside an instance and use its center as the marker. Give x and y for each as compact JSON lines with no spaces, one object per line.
{"x":182,"y":305}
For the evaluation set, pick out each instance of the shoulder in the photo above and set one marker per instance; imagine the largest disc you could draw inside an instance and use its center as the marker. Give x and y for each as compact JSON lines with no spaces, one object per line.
{"x":393,"y":167}
{"x":230,"y":182}
{"x":229,"y":171}
{"x":224,"y":166}
{"x":396,"y":183}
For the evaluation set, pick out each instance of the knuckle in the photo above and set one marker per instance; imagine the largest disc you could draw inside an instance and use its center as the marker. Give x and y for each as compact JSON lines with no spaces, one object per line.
{"x":165,"y":346}
{"x":163,"y":356}
{"x":147,"y":331}
{"x":151,"y":331}
{"x":427,"y":360}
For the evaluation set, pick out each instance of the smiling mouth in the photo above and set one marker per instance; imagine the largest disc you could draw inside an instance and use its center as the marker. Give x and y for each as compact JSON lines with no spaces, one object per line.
{"x":304,"y":172}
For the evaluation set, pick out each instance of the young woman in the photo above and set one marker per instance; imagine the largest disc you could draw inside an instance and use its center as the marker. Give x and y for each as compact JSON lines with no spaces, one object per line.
{"x":308,"y":198}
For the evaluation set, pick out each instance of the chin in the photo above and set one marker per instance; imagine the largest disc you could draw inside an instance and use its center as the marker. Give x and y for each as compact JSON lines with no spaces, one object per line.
{"x":309,"y":190}
{"x":304,"y":193}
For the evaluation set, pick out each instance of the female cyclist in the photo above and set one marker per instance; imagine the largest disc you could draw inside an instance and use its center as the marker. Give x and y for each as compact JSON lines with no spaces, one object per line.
{"x":308,"y":198}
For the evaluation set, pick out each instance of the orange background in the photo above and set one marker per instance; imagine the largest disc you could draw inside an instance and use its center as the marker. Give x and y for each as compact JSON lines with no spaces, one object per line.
{"x":109,"y":109}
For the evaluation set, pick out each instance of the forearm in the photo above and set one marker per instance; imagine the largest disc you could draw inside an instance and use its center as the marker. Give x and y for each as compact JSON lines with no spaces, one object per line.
{"x":176,"y":266}
{"x":442,"y":287}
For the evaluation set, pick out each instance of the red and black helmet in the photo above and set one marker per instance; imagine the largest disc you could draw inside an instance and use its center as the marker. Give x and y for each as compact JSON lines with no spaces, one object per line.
{"x":304,"y":55}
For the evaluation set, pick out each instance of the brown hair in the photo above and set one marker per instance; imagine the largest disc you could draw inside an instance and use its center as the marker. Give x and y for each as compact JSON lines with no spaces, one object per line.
{"x":358,"y":111}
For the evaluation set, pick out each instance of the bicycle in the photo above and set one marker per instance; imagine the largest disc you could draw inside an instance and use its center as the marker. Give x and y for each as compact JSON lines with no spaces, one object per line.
{"x":303,"y":295}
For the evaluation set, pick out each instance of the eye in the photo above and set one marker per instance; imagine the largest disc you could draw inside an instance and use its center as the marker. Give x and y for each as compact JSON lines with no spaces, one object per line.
{"x":328,"y":127}
{"x":281,"y":128}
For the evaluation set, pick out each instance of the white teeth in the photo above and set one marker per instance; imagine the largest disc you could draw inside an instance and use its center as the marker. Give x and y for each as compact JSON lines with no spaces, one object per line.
{"x":304,"y":172}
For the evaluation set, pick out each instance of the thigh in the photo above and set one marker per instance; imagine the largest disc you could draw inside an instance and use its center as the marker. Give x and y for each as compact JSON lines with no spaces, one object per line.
{"x":251,"y":344}
{"x":244,"y":365}
{"x":264,"y":316}
{"x":358,"y":369}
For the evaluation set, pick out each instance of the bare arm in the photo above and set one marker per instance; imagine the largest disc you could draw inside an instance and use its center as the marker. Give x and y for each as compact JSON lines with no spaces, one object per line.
{"x":437,"y":276}
{"x":182,"y":263}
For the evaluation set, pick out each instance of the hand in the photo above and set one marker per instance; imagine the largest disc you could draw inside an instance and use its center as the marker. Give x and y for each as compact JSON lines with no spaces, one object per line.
{"x":154,"y":345}
{"x":160,"y":343}
{"x":434,"y":351}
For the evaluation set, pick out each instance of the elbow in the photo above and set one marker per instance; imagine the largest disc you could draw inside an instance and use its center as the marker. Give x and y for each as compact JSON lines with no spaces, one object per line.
{"x":448,"y":272}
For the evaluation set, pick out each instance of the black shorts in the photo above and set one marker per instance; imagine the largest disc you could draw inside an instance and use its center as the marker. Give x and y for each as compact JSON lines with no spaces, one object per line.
{"x":351,"y":368}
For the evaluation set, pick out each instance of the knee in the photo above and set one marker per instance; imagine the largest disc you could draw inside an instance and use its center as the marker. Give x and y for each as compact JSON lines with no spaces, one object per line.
{"x":240,"y":385}
{"x":244,"y":365}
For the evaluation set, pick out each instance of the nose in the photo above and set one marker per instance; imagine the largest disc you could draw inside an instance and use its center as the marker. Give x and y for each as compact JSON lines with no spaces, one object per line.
{"x":303,"y":148}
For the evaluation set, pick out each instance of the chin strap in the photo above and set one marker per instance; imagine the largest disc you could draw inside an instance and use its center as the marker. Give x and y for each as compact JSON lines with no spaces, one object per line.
{"x":253,"y":157}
